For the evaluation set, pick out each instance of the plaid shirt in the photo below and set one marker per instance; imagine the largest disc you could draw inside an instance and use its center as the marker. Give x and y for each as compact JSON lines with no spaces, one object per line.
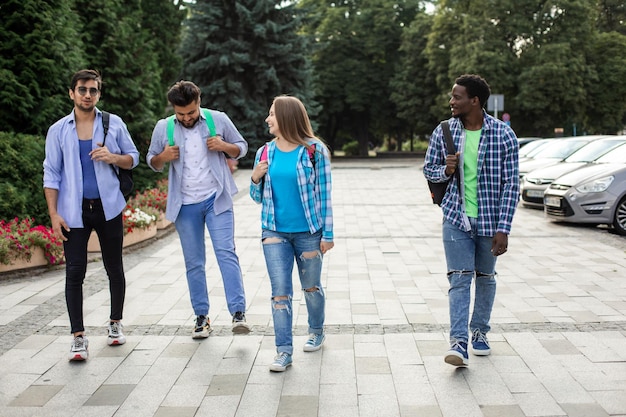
{"x":498,"y":175}
{"x":314,"y":184}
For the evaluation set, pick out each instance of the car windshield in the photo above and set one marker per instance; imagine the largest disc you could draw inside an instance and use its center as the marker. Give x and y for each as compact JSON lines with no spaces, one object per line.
{"x":530,"y":148}
{"x":560,"y":149}
{"x":593,"y":150}
{"x":616,"y":156}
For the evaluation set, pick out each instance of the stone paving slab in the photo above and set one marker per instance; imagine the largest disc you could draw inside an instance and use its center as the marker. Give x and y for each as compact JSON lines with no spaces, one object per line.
{"x":558,"y":338}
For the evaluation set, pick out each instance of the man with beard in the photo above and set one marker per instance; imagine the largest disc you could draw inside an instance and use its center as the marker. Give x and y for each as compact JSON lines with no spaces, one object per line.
{"x":200,"y":194}
{"x":83,"y":194}
{"x":478,"y":210}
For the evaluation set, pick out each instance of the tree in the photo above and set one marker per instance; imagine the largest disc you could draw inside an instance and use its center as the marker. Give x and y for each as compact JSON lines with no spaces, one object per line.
{"x":39,"y":50}
{"x":126,"y":55}
{"x":413,"y":84}
{"x":554,"y":66}
{"x":243,"y":53}
{"x":355,"y":58}
{"x":605,"y":108}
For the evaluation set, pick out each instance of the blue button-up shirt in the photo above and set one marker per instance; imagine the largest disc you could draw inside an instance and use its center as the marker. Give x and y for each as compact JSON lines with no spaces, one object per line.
{"x":498,"y":175}
{"x":226,"y":186}
{"x":62,"y":168}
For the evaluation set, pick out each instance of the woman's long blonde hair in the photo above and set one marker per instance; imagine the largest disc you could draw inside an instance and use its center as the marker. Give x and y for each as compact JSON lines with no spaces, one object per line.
{"x":293,"y":120}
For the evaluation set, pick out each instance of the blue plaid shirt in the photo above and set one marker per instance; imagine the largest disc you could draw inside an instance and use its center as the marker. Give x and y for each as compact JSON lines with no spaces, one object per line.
{"x":315,"y":190}
{"x":498,"y":175}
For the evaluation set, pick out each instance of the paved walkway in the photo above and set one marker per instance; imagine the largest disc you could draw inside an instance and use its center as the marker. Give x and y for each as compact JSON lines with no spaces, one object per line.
{"x":558,"y":339}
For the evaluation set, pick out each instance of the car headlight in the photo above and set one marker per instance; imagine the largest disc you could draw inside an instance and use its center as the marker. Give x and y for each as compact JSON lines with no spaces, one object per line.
{"x":596,"y":186}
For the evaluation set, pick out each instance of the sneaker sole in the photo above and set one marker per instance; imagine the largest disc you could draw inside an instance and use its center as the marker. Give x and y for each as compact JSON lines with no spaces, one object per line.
{"x":456,"y":360}
{"x":116,"y":342}
{"x":241,"y":329}
{"x":481,"y":352}
{"x":308,"y":348}
{"x":275,"y":368}
{"x":201,"y":335}
{"x":78,"y":358}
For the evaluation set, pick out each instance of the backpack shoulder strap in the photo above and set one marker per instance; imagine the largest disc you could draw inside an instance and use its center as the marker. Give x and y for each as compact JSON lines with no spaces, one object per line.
{"x":209,"y":121}
{"x":311,"y":151}
{"x":170,"y":126}
{"x":106,"y":116}
{"x":448,"y":135}
{"x":263,"y":153}
{"x":170,"y":130}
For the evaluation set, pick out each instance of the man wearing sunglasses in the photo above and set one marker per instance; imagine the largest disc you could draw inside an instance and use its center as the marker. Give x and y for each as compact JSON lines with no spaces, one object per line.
{"x":83,"y":194}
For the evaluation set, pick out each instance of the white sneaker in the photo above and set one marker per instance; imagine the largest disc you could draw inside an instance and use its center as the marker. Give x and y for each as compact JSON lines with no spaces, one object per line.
{"x":78,"y":351}
{"x":116,"y":337}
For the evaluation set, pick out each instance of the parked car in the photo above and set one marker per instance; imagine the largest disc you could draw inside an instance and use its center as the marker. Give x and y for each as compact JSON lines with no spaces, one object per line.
{"x":536,"y":182}
{"x":593,"y":194}
{"x":523,"y":141}
{"x":553,"y":153}
{"x":532,"y":147}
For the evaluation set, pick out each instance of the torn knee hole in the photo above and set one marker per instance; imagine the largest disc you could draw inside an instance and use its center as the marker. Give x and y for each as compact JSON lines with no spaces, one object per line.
{"x":312,"y":289}
{"x":311,"y":254}
{"x":271,"y":240}
{"x":460,"y":271}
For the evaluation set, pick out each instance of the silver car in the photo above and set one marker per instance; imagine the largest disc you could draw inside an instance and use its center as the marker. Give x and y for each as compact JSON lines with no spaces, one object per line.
{"x":553,"y":153}
{"x":536,"y":182}
{"x":593,"y":194}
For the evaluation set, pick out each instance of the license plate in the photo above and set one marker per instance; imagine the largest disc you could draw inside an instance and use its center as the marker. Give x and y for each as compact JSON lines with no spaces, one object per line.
{"x":534,"y":193}
{"x":552,"y":201}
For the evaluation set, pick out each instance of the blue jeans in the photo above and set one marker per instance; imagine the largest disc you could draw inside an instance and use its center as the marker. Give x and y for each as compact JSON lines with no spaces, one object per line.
{"x":280,"y":250}
{"x":190,"y":224}
{"x":469,"y":256}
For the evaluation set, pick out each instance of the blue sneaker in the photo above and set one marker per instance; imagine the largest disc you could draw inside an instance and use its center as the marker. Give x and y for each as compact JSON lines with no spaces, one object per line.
{"x":315,"y":342}
{"x":480,"y":344}
{"x":281,"y":362}
{"x":457,"y":355}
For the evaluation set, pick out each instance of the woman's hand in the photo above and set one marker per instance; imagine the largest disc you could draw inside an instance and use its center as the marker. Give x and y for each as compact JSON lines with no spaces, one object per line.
{"x":259,"y":171}
{"x":326,"y":246}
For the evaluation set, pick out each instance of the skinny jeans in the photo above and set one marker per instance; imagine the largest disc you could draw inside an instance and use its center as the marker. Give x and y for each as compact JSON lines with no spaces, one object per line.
{"x":280,"y":254}
{"x":110,"y":235}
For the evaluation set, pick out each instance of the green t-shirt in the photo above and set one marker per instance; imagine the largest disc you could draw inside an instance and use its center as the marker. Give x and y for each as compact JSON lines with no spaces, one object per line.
{"x":470,"y":171}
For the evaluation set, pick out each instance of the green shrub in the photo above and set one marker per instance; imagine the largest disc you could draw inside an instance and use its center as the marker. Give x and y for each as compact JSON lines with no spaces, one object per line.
{"x":351,"y":148}
{"x":21,"y":177}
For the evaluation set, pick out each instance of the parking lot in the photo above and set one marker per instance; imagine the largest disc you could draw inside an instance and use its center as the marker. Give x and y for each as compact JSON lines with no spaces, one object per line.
{"x":558,"y":338}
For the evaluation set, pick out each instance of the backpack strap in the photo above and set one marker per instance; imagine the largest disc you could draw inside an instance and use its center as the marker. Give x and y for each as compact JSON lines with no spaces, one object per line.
{"x":105,"y":124}
{"x":170,"y":125}
{"x":311,"y":152}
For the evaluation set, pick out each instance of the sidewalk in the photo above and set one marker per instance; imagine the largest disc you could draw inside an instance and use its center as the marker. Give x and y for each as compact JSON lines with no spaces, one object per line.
{"x":558,"y":338}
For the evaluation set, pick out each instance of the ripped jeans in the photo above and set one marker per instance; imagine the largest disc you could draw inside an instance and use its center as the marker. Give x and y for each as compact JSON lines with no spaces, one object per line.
{"x":469,"y":256}
{"x":280,"y":250}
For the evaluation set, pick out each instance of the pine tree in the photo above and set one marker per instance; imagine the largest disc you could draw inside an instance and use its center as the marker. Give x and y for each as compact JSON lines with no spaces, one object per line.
{"x":242,"y":54}
{"x":39,"y":51}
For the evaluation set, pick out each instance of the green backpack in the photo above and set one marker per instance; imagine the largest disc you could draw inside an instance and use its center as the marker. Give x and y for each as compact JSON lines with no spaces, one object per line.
{"x":170,"y":125}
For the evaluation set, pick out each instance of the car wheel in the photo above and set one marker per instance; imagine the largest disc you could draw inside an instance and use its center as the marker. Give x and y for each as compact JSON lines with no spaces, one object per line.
{"x":619,"y":220}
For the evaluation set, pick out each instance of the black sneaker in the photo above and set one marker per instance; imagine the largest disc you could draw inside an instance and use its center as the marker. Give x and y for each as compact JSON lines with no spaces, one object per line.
{"x":239,"y":323}
{"x":203,"y":328}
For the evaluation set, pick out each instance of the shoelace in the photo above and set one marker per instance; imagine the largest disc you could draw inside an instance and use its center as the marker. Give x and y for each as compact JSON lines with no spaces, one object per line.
{"x":314,"y":339}
{"x":282,"y":358}
{"x":200,"y":321}
{"x":79,"y":343}
{"x":238,"y":316}
{"x":115,"y":328}
{"x":480,"y":337}
{"x":457,"y":345}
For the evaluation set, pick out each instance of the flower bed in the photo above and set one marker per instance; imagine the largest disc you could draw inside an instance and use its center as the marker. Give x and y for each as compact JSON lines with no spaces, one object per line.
{"x":19,"y":238}
{"x":138,"y":226}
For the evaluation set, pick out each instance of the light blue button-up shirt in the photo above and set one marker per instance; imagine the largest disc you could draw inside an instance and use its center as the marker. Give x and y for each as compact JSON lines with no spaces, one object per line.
{"x":62,"y":167}
{"x":225,"y":186}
